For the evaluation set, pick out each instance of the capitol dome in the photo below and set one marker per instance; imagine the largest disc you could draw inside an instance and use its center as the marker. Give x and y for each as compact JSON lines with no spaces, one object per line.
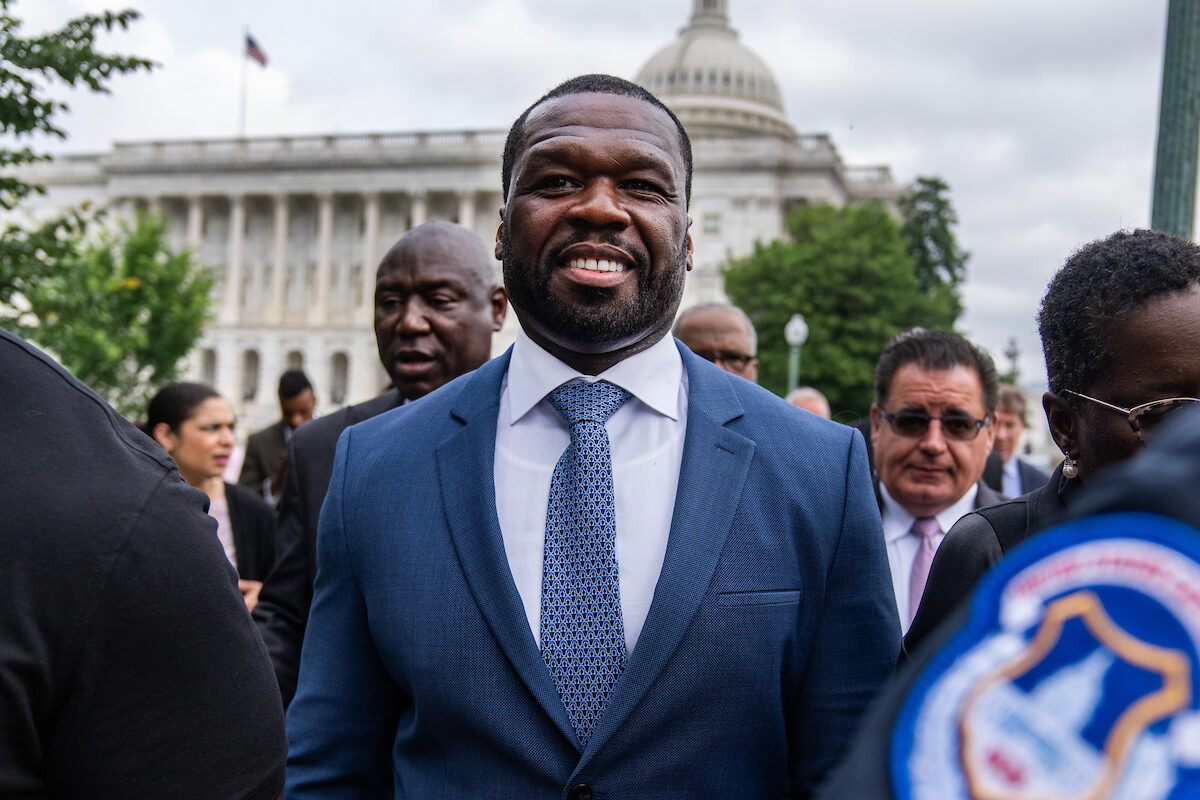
{"x":715,"y":84}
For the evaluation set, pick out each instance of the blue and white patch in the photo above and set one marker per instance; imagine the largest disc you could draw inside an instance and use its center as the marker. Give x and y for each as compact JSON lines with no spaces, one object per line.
{"x":1077,"y":676}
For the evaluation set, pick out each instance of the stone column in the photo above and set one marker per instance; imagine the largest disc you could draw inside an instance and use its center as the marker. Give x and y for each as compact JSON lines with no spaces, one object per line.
{"x":420,"y":208}
{"x":195,"y":222}
{"x":466,"y":210}
{"x":319,"y":311}
{"x":154,"y":204}
{"x":231,"y":304}
{"x":370,"y":252}
{"x":279,"y":229}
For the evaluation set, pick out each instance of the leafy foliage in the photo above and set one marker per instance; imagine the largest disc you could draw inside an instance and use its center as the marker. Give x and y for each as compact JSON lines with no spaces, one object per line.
{"x":849,"y":271}
{"x":940,"y":264}
{"x":120,"y":311}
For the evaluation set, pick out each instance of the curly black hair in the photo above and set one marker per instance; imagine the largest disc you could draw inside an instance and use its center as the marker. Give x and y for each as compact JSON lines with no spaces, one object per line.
{"x":933,"y":349}
{"x":600,"y":84}
{"x":1100,"y":282}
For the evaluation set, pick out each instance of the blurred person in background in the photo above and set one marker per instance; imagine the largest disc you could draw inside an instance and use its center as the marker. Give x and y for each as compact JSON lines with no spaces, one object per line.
{"x":723,"y":334}
{"x":809,"y":399}
{"x":265,"y":461}
{"x":1018,"y":476}
{"x":195,"y":424}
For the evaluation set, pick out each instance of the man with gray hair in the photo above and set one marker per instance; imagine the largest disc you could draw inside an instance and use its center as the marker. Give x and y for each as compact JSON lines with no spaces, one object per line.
{"x":809,"y":399}
{"x":723,"y":334}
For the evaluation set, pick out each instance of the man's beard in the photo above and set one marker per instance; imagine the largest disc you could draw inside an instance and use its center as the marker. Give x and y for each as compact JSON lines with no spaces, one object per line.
{"x":594,"y":319}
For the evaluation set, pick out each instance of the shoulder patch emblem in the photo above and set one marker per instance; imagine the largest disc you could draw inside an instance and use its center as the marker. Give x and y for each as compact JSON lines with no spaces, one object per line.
{"x":1076,"y":676}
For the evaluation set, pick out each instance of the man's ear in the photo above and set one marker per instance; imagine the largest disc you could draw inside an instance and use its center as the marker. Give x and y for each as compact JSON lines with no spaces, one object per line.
{"x":1063,"y":421}
{"x":499,"y":301}
{"x":500,"y":237}
{"x":875,"y":422}
{"x":691,"y":251}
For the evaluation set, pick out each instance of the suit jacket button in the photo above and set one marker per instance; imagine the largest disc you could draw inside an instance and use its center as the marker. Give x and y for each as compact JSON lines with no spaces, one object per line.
{"x":580,"y":792}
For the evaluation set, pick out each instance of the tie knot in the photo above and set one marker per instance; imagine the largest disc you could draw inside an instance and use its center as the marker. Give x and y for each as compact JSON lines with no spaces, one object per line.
{"x":580,"y":401}
{"x":926,"y":527}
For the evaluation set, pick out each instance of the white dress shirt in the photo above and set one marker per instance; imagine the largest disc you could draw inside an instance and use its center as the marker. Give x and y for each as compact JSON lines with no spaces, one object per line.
{"x":646,"y":439}
{"x":902,"y":543}
{"x":1011,"y":482}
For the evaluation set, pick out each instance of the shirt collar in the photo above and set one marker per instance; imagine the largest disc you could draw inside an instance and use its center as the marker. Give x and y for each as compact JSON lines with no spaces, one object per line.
{"x":897,"y":522}
{"x":653,"y":376}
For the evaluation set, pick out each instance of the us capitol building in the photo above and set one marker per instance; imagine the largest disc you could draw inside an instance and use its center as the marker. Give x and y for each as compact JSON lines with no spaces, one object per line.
{"x":296,"y":225}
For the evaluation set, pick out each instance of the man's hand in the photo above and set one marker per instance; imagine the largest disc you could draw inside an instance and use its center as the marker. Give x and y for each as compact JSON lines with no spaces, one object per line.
{"x":250,"y":590}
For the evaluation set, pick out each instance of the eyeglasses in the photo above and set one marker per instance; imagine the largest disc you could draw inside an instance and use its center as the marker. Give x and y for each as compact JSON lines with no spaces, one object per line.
{"x":914,"y":425}
{"x":1145,"y":418}
{"x":734,"y":359}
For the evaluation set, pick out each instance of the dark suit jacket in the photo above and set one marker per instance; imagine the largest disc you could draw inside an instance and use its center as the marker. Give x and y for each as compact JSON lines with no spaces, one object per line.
{"x":253,"y":525}
{"x":1029,"y":476}
{"x":772,"y":623}
{"x":129,"y":669}
{"x":282,"y":610}
{"x":979,"y":540}
{"x":265,"y":451}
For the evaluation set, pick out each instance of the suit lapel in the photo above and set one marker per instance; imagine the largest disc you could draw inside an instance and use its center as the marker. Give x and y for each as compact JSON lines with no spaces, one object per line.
{"x":466,"y":462}
{"x":712,"y":475}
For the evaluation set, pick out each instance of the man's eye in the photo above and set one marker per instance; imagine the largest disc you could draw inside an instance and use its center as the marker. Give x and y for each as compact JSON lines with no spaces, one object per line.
{"x":644,"y":186}
{"x":440,"y":300}
{"x":555,"y":182}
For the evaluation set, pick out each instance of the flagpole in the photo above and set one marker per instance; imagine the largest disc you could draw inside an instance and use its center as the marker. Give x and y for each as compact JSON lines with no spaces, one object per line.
{"x":242,"y":102}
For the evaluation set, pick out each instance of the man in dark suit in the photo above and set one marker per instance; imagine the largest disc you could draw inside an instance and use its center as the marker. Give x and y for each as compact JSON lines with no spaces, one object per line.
{"x":436,"y":307}
{"x":931,"y":426}
{"x":128,"y":667}
{"x":509,"y":604}
{"x":1017,"y":476}
{"x":266,"y":451}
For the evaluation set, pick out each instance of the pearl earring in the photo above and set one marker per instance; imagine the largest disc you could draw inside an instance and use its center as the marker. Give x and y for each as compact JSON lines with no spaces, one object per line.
{"x":1070,"y":467}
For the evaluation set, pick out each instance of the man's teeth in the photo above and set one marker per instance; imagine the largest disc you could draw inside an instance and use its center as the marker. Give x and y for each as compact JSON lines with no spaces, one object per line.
{"x":596,"y":265}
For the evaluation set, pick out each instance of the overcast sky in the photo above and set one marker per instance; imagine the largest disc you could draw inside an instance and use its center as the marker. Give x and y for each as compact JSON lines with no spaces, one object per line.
{"x":1040,"y":115}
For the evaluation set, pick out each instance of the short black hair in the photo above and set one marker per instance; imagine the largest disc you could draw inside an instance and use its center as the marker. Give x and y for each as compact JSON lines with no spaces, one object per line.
{"x":933,"y":349}
{"x":292,"y":383}
{"x":1099,"y":282}
{"x":175,"y":403}
{"x":587,"y":84}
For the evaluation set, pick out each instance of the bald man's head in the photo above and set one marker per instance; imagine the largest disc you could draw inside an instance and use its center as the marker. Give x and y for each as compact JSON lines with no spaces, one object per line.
{"x":722,"y":334}
{"x":436,"y":307}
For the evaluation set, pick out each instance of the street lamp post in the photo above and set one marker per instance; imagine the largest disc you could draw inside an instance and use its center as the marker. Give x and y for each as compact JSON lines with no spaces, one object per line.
{"x":796,"y":333}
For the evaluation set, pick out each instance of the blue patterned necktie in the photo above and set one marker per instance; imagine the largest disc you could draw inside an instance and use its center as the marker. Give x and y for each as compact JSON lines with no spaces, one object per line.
{"x":582,"y":637}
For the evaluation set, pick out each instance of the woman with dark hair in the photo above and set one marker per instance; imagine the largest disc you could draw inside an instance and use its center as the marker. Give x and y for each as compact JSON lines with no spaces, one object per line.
{"x":194,"y":424}
{"x":1120,"y":327}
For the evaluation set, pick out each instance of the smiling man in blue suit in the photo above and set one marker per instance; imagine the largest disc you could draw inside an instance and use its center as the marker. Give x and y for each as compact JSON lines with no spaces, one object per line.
{"x":598,"y":566}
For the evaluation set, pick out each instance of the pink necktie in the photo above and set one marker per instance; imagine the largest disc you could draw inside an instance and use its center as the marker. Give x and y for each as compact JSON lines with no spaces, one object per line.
{"x":928,"y":529}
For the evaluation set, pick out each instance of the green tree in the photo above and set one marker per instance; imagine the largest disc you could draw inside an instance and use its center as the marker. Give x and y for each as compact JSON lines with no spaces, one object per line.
{"x":119,"y":310}
{"x":940,"y":264}
{"x":848,"y":271}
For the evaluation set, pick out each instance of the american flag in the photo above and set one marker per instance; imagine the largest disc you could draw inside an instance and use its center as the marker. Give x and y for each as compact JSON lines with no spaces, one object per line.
{"x":254,"y":51}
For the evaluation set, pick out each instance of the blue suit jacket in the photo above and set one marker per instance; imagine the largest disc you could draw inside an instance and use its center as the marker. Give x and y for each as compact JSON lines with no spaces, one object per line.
{"x":773,"y":622}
